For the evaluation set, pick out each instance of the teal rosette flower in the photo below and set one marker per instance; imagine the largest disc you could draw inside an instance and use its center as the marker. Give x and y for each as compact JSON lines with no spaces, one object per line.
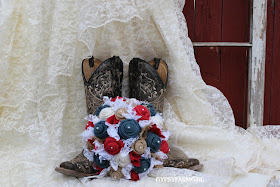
{"x":129,"y":128}
{"x":153,"y":141}
{"x":151,"y":109}
{"x":100,"y":163}
{"x":98,"y":110}
{"x":100,"y":130}
{"x":144,"y":165}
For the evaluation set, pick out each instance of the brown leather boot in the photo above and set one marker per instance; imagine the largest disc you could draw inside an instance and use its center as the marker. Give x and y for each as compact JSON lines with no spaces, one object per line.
{"x":100,"y":79}
{"x":178,"y":159}
{"x":147,"y":82}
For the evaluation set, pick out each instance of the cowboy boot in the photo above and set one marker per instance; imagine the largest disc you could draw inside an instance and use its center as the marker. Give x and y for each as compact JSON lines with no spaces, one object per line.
{"x":100,"y":79}
{"x":147,"y":82}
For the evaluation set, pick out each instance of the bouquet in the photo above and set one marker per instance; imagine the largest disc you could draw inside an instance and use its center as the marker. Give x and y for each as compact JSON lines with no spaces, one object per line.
{"x":125,"y":138}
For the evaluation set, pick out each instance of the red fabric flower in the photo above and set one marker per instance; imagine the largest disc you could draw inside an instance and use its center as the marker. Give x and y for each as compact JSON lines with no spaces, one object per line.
{"x":134,"y":176}
{"x":142,"y":111}
{"x":135,"y":159}
{"x":91,"y":142}
{"x":99,"y":169}
{"x":114,"y":99}
{"x":112,"y":146}
{"x":112,"y":120}
{"x":156,"y":130}
{"x":164,"y":146}
{"x":89,"y":124}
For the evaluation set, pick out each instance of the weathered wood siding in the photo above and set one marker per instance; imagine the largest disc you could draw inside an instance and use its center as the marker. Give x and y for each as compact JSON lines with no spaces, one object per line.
{"x":223,"y":67}
{"x":272,"y":69}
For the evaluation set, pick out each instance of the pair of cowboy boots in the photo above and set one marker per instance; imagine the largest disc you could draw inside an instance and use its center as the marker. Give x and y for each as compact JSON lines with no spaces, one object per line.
{"x":147,"y":82}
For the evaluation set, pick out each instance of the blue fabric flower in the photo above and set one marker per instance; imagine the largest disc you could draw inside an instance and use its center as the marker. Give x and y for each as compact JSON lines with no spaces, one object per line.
{"x":100,"y":163}
{"x":144,"y":165}
{"x":98,"y":110}
{"x":151,"y":109}
{"x":153,"y":141}
{"x":100,"y":130}
{"x":129,"y":128}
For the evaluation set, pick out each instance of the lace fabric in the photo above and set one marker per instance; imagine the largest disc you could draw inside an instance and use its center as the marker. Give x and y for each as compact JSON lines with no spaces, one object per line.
{"x":42,"y":99}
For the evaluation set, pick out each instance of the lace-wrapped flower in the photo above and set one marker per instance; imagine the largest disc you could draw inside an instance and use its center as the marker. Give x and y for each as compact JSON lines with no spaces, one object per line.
{"x":129,"y":128}
{"x":153,"y":141}
{"x":112,"y":146}
{"x":106,"y":113}
{"x":143,"y":112}
{"x":122,"y":161}
{"x":144,"y":165}
{"x":100,"y":163}
{"x":151,"y":109}
{"x":100,"y":130}
{"x":119,"y":113}
{"x":98,"y":110}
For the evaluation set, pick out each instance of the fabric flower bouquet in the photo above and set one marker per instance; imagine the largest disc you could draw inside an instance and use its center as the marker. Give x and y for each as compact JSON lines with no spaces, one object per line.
{"x":126,"y":138}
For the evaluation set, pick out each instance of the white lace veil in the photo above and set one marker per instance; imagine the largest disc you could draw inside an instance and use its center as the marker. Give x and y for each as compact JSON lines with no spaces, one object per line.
{"x":42,"y":100}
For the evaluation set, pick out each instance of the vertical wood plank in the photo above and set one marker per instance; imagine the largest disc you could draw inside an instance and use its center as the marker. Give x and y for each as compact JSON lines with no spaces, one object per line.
{"x":257,"y":65}
{"x":208,"y":20}
{"x":269,"y":60}
{"x":189,"y":15}
{"x":275,"y":89}
{"x":207,"y":29}
{"x":234,"y":60}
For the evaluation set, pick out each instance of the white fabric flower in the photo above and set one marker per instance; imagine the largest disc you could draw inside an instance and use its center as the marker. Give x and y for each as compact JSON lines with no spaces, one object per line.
{"x":157,"y":119}
{"x":122,"y":161}
{"x":106,"y":113}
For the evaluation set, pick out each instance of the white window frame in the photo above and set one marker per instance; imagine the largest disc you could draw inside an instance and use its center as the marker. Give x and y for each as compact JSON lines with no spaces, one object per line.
{"x":256,"y":73}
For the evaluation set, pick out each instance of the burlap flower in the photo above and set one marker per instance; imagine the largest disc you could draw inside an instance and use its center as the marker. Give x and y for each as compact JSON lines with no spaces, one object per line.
{"x":151,"y":109}
{"x":134,"y":176}
{"x":112,"y":120}
{"x":143,"y":112}
{"x":144,"y":165}
{"x":105,"y":113}
{"x":116,"y":174}
{"x":139,"y":146}
{"x":164,"y":146}
{"x":112,"y":146}
{"x":135,"y":159}
{"x":98,"y":110}
{"x":153,"y":141}
{"x":122,"y":161}
{"x":119,"y":113}
{"x":89,"y":124}
{"x":114,"y":99}
{"x":129,"y":128}
{"x":90,"y":145}
{"x":100,"y":130}
{"x":100,"y":163}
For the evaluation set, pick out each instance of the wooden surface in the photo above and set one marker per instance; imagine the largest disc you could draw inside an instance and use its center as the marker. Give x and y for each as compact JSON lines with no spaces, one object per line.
{"x":272,"y":85}
{"x":256,"y":72}
{"x":222,"y":67}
